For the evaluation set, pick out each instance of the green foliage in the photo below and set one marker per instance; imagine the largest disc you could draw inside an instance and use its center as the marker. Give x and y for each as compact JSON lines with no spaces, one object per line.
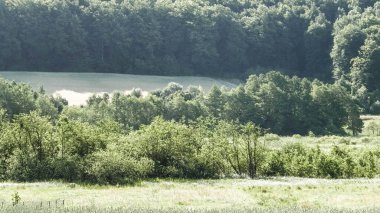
{"x":215,"y":102}
{"x":212,"y":38}
{"x":171,"y":146}
{"x":297,"y":160}
{"x":339,"y":164}
{"x":68,"y":168}
{"x":241,"y":149}
{"x":114,"y":167}
{"x":16,"y":98}
{"x":16,"y":199}
{"x":368,"y":164}
{"x":177,"y":133}
{"x":3,"y":119}
{"x":355,"y":53}
{"x":33,"y":147}
{"x":292,"y":105}
{"x":372,"y":128}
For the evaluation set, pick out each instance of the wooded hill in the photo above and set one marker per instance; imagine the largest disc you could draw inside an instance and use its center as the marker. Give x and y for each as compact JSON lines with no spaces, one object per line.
{"x":325,"y":39}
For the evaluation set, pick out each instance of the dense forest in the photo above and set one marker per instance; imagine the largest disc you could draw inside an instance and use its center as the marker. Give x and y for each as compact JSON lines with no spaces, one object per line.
{"x":180,"y":133}
{"x":331,"y":40}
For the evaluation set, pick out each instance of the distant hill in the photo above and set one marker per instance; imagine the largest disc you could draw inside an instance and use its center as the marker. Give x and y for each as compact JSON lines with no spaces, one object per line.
{"x":332,"y":40}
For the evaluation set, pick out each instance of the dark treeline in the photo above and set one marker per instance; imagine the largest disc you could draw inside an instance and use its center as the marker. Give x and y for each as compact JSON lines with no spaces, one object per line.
{"x":179,"y":133}
{"x":229,"y":38}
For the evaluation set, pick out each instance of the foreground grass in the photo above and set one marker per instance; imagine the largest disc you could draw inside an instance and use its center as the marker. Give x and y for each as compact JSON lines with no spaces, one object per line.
{"x":269,"y":195}
{"x":184,"y":210}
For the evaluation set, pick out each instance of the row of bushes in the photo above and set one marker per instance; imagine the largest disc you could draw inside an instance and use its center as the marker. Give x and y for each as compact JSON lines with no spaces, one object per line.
{"x":296,"y":160}
{"x":175,"y":133}
{"x":33,"y":148}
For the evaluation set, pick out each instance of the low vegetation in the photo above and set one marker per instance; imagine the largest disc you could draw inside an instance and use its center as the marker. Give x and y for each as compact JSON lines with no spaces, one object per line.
{"x":164,"y":195}
{"x":176,"y":133}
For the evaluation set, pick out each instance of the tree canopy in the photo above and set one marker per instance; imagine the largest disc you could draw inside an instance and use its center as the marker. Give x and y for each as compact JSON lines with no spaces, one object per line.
{"x":203,"y":37}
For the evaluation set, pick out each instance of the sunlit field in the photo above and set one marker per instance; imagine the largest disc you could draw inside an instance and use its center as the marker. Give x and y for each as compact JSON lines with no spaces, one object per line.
{"x":367,"y":139}
{"x":78,"y":87}
{"x":274,"y":194}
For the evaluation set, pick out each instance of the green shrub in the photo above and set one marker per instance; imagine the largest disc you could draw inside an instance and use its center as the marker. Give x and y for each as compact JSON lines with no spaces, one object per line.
{"x":112,"y":167}
{"x":275,"y":165}
{"x":367,"y":165}
{"x":311,"y":134}
{"x":297,"y":160}
{"x":209,"y":162}
{"x":26,"y":167}
{"x":294,"y":160}
{"x":297,"y":136}
{"x":69,"y":168}
{"x":172,"y":147}
{"x":344,"y":141}
{"x":300,"y":161}
{"x":329,"y":167}
{"x":271,"y":137}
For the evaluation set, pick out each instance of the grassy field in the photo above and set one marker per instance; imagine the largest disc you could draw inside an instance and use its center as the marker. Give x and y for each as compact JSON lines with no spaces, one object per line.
{"x":240,"y":195}
{"x":107,"y":82}
{"x":368,"y":139}
{"x":78,"y":87}
{"x":326,"y":142}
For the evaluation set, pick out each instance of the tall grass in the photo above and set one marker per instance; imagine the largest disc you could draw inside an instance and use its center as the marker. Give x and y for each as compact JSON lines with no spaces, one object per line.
{"x":281,"y":194}
{"x":27,"y":209}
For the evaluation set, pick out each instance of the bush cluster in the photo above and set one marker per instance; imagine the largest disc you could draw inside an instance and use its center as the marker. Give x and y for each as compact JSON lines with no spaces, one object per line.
{"x":34,"y":149}
{"x":297,"y":160}
{"x":177,"y":133}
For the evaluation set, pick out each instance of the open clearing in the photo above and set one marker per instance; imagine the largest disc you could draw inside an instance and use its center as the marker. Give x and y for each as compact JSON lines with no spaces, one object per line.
{"x":199,"y":195}
{"x":78,"y":87}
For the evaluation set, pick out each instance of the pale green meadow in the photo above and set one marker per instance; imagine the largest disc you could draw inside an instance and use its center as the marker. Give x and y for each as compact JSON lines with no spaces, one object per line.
{"x":238,"y":195}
